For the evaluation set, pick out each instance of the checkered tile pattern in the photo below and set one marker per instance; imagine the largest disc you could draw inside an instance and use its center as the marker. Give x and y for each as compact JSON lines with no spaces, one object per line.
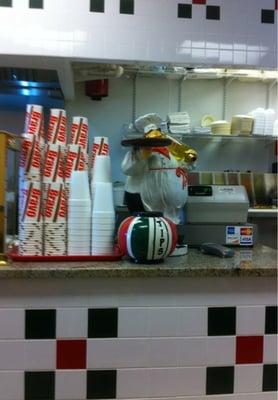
{"x":137,"y":352}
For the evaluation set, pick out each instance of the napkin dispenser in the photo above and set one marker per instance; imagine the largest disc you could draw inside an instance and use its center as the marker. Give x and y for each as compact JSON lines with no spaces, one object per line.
{"x":218,"y":214}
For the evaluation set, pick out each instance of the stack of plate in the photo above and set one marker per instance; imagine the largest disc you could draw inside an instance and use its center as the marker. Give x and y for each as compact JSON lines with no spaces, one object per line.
{"x":220,"y":128}
{"x":179,"y":123}
{"x":242,"y":125}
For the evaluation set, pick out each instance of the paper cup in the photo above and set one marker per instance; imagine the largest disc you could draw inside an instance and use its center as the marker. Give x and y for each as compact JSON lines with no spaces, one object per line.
{"x":101,"y":170}
{"x":100,"y":148}
{"x":53,"y":169}
{"x":103,"y":198}
{"x":79,"y":186}
{"x":34,"y":120}
{"x":79,"y":132}
{"x":76,"y":160}
{"x":57,"y":127}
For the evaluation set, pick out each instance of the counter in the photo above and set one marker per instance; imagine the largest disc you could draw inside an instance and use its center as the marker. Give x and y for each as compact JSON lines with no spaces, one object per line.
{"x":257,"y":261}
{"x":195,"y":327}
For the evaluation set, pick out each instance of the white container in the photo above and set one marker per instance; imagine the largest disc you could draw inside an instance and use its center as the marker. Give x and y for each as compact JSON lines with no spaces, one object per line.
{"x":79,"y":186}
{"x":118,"y":193}
{"x":102,"y":170}
{"x":103,"y":198}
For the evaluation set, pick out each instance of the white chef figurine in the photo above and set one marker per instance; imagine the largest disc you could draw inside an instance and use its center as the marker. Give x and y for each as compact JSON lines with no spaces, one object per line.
{"x":156,"y":178}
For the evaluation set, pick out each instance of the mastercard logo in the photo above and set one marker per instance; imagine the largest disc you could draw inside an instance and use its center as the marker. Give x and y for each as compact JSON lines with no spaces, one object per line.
{"x":246,"y":231}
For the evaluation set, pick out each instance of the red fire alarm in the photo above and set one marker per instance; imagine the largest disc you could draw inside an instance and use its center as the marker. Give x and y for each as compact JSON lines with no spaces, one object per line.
{"x":96,"y":89}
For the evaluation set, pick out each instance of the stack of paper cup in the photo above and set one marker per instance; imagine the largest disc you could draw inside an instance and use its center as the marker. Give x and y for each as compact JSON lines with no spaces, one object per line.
{"x":101,"y":171}
{"x":53,"y":168}
{"x":79,"y":214}
{"x":30,"y":218}
{"x":57,"y":127}
{"x":103,"y":219}
{"x":79,"y":132}
{"x":100,"y":147}
{"x":55,"y":217}
{"x":34,"y":123}
{"x":76,"y":160}
{"x":30,"y":159}
{"x":103,"y":214}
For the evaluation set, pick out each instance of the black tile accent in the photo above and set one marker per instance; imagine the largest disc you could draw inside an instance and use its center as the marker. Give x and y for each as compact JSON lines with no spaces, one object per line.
{"x":271,"y":320}
{"x":184,"y":10}
{"x":268,"y":17}
{"x":39,"y":385}
{"x":101,"y":384}
{"x":6,"y":3}
{"x":127,"y":6}
{"x":102,"y":322}
{"x":36,"y":3}
{"x":97,"y":6}
{"x":213,"y":12}
{"x":220,"y":380}
{"x":270,"y":378}
{"x":40,"y":324}
{"x":221,"y":321}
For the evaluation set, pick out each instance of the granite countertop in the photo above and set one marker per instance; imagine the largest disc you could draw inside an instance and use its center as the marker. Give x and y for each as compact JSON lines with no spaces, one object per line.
{"x":259,"y":261}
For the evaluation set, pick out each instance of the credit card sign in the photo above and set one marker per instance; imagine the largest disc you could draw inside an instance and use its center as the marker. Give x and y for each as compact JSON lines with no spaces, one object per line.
{"x":239,"y":235}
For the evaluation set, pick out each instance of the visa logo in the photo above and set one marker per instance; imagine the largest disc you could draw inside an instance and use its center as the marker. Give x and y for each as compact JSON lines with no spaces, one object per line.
{"x":231,"y":230}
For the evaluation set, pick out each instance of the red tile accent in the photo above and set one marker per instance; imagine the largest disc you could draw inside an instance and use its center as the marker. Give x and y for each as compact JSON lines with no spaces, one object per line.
{"x":249,"y":349}
{"x":199,"y":1}
{"x":71,"y":354}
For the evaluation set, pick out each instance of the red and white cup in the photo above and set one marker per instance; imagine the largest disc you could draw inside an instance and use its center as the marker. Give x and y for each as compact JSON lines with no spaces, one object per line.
{"x":34,"y":121}
{"x":79,"y":132}
{"x":76,"y":160}
{"x":100,"y":148}
{"x":30,"y":202}
{"x":53,"y":169}
{"x":55,"y":203}
{"x":57,"y":127}
{"x":30,"y":158}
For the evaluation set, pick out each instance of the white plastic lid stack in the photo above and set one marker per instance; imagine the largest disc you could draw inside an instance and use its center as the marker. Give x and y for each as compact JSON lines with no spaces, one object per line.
{"x":259,"y":121}
{"x":269,"y":122}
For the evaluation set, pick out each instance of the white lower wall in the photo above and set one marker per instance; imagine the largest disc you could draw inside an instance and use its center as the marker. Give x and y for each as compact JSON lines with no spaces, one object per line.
{"x":162,"y":349}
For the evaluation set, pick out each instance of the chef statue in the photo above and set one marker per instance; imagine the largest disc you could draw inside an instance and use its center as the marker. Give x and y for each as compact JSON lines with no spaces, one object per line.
{"x":156,"y":169}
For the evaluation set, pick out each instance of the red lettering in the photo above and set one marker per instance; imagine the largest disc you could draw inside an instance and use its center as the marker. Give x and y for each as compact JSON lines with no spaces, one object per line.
{"x":50,"y":203}
{"x":50,"y":159}
{"x":32,"y":207}
{"x":71,"y":157}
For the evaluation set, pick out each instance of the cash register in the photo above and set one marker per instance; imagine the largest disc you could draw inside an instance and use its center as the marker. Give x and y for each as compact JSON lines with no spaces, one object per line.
{"x":217,"y":214}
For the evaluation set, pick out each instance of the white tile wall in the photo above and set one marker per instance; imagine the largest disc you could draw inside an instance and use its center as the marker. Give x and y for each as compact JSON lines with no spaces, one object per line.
{"x":11,"y":385}
{"x":270,"y":355}
{"x":159,"y":322}
{"x":71,"y":323}
{"x":70,"y":385}
{"x":151,"y":19}
{"x":12,"y":355}
{"x":176,"y":382}
{"x":248,"y":378}
{"x":12,"y":323}
{"x":250,"y":320}
{"x":153,"y":367}
{"x":220,"y":350}
{"x":40,"y":355}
